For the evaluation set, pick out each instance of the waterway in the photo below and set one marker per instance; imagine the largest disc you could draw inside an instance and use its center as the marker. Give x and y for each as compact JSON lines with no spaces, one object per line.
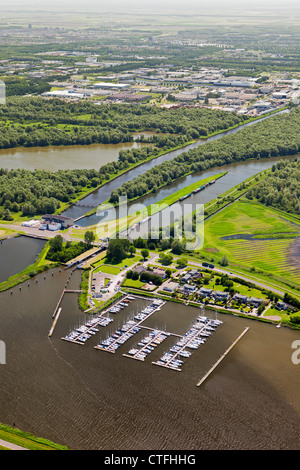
{"x":238,"y":172}
{"x":90,"y":399}
{"x":18,"y":253}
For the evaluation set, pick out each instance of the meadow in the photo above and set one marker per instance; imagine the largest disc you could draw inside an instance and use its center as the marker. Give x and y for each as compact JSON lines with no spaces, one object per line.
{"x":255,"y":237}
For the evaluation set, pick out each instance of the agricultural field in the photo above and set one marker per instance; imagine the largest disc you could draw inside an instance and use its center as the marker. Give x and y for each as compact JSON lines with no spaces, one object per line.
{"x":257,"y":238}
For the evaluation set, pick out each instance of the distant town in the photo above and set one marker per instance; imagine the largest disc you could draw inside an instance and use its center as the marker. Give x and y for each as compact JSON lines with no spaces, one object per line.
{"x":162,"y":86}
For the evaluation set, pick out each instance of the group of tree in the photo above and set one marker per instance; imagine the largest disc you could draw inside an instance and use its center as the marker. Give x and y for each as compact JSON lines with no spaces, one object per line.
{"x":281,"y":188}
{"x":36,"y":121}
{"x":62,"y":252}
{"x":117,"y":250}
{"x":145,"y":276}
{"x":41,"y":192}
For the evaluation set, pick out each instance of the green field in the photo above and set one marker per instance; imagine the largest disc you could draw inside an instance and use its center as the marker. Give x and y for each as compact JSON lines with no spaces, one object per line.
{"x":26,"y":440}
{"x":274,"y":256}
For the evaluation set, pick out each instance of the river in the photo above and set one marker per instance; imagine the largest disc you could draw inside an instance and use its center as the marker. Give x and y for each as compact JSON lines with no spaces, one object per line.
{"x":89,"y":399}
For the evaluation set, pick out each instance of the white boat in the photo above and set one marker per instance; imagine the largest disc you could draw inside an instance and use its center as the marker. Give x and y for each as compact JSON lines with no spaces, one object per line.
{"x":185,"y":353}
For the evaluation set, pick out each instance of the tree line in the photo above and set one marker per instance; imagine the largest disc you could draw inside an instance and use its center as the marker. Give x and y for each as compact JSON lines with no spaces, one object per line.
{"x":40,"y":191}
{"x":281,"y":188}
{"x":36,"y":121}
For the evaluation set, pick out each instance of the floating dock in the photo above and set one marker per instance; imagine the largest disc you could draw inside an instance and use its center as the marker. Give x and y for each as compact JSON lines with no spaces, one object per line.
{"x":147,"y":345}
{"x":112,"y":343}
{"x":221,"y":358}
{"x":195,"y":336}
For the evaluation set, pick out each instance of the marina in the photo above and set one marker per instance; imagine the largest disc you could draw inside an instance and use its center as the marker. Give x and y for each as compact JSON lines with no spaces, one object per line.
{"x":84,"y":332}
{"x":201,"y":329}
{"x":129,"y":328}
{"x":98,"y":389}
{"x":147,"y":345}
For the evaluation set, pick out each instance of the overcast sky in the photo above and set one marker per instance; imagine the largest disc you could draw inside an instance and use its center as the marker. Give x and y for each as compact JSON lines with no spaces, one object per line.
{"x":152,"y":4}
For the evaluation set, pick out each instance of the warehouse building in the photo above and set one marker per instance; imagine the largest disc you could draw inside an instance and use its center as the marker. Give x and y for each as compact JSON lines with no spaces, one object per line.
{"x":55,"y":222}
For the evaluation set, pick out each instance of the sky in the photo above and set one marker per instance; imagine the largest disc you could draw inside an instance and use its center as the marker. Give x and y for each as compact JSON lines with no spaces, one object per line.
{"x":152,"y":4}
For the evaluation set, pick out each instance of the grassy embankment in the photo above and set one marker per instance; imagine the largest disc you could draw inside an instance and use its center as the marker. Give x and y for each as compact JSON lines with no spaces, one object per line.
{"x":26,"y":440}
{"x":234,"y":193}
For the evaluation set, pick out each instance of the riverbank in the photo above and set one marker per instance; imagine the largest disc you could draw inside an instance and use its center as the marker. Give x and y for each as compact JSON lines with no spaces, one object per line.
{"x":13,"y":438}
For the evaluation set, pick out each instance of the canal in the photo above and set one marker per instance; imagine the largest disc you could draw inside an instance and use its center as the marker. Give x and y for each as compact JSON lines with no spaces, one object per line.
{"x":238,"y":173}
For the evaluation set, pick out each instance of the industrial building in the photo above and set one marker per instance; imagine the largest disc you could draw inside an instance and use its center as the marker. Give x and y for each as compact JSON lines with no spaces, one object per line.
{"x":116,"y":86}
{"x":55,"y":222}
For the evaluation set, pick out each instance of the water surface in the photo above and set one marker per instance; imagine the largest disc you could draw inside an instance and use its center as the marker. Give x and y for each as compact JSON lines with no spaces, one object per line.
{"x":64,"y":157}
{"x":18,"y":253}
{"x":90,"y":399}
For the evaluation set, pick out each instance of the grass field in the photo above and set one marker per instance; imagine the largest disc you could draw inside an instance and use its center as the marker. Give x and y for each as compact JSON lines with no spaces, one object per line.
{"x":26,"y":440}
{"x":272,"y":256}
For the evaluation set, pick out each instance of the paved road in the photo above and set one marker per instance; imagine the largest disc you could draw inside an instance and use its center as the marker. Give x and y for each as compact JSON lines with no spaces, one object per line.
{"x":11,"y":446}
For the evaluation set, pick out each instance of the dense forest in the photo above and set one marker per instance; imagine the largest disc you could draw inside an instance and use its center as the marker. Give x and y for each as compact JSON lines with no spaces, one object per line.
{"x":19,"y":86}
{"x":62,"y":252}
{"x":30,"y":122}
{"x":281,"y":189}
{"x":41,"y":192}
{"x":276,"y":136}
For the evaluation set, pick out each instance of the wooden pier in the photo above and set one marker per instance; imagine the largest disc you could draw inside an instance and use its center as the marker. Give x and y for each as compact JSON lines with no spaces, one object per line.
{"x":222,"y":357}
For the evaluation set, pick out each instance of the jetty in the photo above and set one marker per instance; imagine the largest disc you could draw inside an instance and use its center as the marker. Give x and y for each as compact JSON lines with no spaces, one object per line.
{"x":57,"y":309}
{"x":113,"y":342}
{"x":222,"y":357}
{"x":147,"y":345}
{"x":194,"y":337}
{"x":54,"y":322}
